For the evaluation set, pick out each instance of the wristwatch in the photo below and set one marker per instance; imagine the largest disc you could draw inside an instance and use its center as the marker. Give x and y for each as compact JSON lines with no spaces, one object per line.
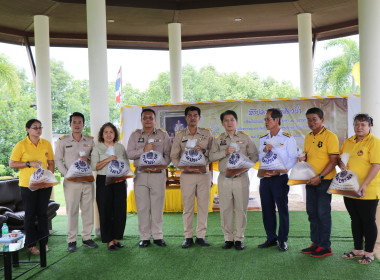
{"x":321,"y":177}
{"x":27,"y":164}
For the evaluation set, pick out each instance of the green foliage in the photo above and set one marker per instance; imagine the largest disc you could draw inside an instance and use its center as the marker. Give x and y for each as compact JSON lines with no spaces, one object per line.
{"x":334,"y":76}
{"x":15,"y":105}
{"x":208,"y":84}
{"x":6,"y":171}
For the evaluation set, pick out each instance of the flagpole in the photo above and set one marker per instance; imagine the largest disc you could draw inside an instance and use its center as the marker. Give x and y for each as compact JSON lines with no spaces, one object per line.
{"x":121,"y":87}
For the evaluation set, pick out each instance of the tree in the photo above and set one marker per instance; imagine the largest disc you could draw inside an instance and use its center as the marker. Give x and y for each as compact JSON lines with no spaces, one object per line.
{"x":334,"y":75}
{"x":18,"y":107}
{"x":8,"y":75}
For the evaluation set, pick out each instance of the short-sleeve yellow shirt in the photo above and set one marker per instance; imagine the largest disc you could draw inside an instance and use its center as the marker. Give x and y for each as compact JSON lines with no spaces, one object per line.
{"x":25,"y":151}
{"x":319,"y":147}
{"x":362,"y":155}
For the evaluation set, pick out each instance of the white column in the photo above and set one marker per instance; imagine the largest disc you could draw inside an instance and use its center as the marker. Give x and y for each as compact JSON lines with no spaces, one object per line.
{"x":369,"y":43}
{"x":43,"y":84}
{"x":305,"y":54}
{"x":98,"y":78}
{"x":175,"y":62}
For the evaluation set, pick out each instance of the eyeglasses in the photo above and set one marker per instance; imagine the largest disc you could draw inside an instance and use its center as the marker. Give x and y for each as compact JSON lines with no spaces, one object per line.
{"x":268,"y":119}
{"x":36,"y":128}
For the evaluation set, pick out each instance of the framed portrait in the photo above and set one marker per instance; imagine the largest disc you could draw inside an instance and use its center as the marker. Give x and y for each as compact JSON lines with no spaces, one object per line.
{"x":172,"y":122}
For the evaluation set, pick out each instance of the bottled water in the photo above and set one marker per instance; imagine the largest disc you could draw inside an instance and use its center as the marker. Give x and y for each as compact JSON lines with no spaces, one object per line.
{"x":5,"y":233}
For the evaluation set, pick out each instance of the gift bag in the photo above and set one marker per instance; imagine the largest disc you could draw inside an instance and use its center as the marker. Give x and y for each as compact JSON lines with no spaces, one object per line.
{"x":272,"y":160}
{"x":152,"y":160}
{"x":118,"y":170}
{"x":80,"y":171}
{"x":238,"y":164}
{"x":301,"y":173}
{"x":42,"y":178}
{"x":346,"y":182}
{"x":193,"y":158}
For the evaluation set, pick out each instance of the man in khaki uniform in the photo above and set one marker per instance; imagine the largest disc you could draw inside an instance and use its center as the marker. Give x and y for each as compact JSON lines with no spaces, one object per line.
{"x":233,"y":192}
{"x":149,"y":185}
{"x":77,"y":194}
{"x":193,"y":184}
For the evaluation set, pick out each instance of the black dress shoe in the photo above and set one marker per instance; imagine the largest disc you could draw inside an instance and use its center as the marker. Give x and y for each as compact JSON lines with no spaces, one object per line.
{"x":187,"y":243}
{"x":282,"y":246}
{"x":228,"y":245}
{"x":239,"y":245}
{"x":267,"y":244}
{"x":159,"y":242}
{"x":201,"y":241}
{"x":119,"y":245}
{"x":112,"y":248}
{"x":144,"y":243}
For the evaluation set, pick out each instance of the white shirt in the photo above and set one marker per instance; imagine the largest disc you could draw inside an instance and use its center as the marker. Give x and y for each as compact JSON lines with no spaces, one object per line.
{"x":287,"y":149}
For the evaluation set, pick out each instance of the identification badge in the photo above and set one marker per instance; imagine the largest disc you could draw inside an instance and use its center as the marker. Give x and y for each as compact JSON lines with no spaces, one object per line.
{"x":223,"y":142}
{"x":141,"y":139}
{"x":239,"y":142}
{"x":69,"y":146}
{"x":86,"y":145}
{"x":157,"y":139}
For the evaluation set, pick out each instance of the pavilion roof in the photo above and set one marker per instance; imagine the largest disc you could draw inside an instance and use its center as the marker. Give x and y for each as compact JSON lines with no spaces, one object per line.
{"x":142,"y":24}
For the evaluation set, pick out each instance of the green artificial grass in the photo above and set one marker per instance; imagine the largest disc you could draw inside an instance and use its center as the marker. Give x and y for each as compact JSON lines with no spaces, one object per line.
{"x":173,"y":262}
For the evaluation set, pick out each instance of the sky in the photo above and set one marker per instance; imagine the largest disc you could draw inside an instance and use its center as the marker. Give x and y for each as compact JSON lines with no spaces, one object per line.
{"x":140,"y":67}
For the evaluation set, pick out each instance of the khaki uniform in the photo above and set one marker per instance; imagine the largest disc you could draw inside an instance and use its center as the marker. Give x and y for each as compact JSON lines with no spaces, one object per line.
{"x":233,"y":192}
{"x":149,"y":187}
{"x":193,"y":184}
{"x":77,"y":194}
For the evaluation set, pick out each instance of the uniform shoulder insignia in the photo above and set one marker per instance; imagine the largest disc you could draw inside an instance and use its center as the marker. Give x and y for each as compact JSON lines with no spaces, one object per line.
{"x":264,"y":135}
{"x":217,"y":136}
{"x":180,"y":131}
{"x":286,"y":134}
{"x":62,"y":137}
{"x":89,"y":136}
{"x":242,"y":131}
{"x":163,"y":130}
{"x":135,"y":130}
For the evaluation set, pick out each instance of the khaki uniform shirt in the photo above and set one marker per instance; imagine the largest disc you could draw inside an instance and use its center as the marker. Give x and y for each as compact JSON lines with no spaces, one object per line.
{"x":139,"y":139}
{"x":67,"y":150}
{"x":222,"y":141}
{"x":204,"y":140}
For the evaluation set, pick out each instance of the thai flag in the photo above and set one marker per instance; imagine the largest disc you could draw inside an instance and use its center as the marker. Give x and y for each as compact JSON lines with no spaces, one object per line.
{"x":118,"y":86}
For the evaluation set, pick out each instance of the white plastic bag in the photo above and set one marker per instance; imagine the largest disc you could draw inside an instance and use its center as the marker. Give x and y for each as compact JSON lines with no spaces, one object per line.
{"x":301,"y":173}
{"x":80,"y":171}
{"x":42,"y":178}
{"x":193,"y":158}
{"x":272,"y":161}
{"x":152,"y":160}
{"x":346,"y":182}
{"x":238,"y":164}
{"x":118,"y":170}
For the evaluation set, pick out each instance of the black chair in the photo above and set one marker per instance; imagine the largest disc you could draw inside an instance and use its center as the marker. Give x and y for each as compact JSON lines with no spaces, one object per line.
{"x":11,"y":209}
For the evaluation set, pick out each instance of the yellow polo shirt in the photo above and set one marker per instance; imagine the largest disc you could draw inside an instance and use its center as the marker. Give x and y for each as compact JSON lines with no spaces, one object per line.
{"x":25,"y":151}
{"x":362,"y":155}
{"x":319,"y":147}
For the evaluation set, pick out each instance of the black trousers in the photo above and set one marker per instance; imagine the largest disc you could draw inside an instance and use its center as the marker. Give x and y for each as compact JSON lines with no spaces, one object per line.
{"x":274,"y":192}
{"x":35,"y":205}
{"x":112,"y":206}
{"x":363,"y":222}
